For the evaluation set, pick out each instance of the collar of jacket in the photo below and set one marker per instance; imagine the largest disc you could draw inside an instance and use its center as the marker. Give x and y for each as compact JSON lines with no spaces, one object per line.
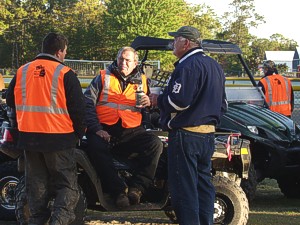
{"x":48,"y":56}
{"x":267,"y":75}
{"x":188,"y":54}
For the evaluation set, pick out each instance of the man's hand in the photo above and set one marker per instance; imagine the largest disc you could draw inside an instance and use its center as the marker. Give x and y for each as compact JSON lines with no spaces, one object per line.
{"x":145,"y":101}
{"x":103,"y":134}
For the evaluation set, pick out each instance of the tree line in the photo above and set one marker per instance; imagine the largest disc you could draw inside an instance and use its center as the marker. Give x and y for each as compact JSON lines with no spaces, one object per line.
{"x":96,"y":29}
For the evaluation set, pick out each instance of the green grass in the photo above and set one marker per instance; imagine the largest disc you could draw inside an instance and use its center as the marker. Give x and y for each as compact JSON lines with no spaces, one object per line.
{"x":270,"y":207}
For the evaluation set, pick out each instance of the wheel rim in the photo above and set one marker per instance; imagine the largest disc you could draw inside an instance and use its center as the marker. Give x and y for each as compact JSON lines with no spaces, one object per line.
{"x":222,"y":207}
{"x":171,"y":215}
{"x":8,"y":187}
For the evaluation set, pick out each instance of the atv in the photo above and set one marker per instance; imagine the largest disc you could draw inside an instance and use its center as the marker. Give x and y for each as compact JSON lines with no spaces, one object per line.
{"x":230,"y":164}
{"x":9,"y":174}
{"x":274,"y":138}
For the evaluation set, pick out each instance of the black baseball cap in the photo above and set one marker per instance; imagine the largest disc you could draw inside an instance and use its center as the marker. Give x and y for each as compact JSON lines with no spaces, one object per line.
{"x":188,"y":32}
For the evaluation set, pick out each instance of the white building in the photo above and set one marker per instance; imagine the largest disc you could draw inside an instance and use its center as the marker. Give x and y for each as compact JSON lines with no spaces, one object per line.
{"x":290,"y":58}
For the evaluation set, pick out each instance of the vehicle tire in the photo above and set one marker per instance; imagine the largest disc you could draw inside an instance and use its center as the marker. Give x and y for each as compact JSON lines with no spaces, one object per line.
{"x":22,"y":210}
{"x":231,"y":203}
{"x":249,"y":185}
{"x":9,"y":178}
{"x":289,"y":186}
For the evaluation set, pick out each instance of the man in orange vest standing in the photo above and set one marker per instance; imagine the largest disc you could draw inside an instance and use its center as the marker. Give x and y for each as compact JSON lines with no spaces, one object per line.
{"x":113,"y":115}
{"x":277,"y":89}
{"x":49,"y":104}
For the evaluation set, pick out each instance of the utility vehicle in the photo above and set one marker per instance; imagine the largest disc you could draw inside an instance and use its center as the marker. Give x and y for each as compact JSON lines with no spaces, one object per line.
{"x":274,"y":138}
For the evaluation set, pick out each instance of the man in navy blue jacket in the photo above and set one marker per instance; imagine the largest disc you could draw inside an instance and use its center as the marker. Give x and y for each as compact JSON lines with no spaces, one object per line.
{"x":191,"y":106}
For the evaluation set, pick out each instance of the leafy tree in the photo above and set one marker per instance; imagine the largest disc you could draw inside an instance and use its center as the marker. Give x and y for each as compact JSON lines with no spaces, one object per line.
{"x":279,"y":42}
{"x":282,"y":68}
{"x":126,"y":20}
{"x":83,"y":26}
{"x":26,"y":24}
{"x":258,"y":46}
{"x":205,"y":20}
{"x":236,"y":25}
{"x":4,"y":16}
{"x":12,"y":15}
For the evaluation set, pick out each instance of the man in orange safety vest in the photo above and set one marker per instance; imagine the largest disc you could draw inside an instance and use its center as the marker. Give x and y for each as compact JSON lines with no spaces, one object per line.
{"x":49,"y":104}
{"x":277,"y":89}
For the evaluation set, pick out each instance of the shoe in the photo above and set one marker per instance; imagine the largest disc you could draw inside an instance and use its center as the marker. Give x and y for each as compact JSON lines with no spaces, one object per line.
{"x":134,"y":195}
{"x":122,"y":200}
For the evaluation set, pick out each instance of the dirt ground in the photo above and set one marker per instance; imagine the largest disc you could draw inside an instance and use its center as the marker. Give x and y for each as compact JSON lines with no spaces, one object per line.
{"x":127,"y":218}
{"x":120,"y":218}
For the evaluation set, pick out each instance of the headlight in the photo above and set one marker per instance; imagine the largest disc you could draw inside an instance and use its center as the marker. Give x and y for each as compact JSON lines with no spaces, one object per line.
{"x":253,"y":129}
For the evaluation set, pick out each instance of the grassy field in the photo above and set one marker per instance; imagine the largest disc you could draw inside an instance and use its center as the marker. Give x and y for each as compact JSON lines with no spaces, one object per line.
{"x":270,"y":207}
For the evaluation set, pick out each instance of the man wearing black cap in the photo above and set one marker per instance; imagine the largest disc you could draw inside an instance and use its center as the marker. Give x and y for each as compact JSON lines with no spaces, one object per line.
{"x":191,"y":106}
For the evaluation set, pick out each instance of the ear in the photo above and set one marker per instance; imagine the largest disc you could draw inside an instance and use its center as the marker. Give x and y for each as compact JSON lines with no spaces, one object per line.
{"x":186,"y":42}
{"x":57,"y":53}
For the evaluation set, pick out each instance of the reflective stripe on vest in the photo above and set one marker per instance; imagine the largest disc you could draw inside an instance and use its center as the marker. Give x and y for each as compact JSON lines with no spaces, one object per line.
{"x":40,"y":99}
{"x":119,"y":106}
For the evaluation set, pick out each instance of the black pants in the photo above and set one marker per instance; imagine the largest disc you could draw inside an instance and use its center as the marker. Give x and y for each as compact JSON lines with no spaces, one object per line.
{"x":143,"y":148}
{"x":51,"y":175}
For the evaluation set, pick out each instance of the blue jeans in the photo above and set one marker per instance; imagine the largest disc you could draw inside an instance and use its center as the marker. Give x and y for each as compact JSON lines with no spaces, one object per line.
{"x":189,"y":167}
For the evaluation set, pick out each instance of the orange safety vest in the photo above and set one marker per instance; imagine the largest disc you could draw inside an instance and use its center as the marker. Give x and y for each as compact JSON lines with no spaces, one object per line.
{"x":40,"y":98}
{"x":114,"y":104}
{"x":278,"y":92}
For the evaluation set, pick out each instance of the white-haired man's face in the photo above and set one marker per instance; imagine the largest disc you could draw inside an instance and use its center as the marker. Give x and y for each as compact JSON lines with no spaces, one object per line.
{"x":126,"y":62}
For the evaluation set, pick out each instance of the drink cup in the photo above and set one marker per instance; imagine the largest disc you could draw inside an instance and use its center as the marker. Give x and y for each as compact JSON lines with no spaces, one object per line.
{"x":138,"y":98}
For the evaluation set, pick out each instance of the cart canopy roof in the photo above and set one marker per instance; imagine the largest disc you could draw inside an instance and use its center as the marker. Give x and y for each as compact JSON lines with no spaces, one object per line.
{"x":210,"y":46}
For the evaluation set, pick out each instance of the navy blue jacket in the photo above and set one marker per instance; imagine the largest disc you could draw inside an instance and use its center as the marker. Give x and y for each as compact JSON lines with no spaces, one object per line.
{"x":195,"y":93}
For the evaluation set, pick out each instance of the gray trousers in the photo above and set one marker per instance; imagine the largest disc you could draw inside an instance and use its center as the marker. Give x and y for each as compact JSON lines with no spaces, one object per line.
{"x":51,"y":176}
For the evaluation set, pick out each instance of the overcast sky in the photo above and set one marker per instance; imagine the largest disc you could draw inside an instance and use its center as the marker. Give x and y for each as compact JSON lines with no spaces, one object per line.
{"x":281,"y":17}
